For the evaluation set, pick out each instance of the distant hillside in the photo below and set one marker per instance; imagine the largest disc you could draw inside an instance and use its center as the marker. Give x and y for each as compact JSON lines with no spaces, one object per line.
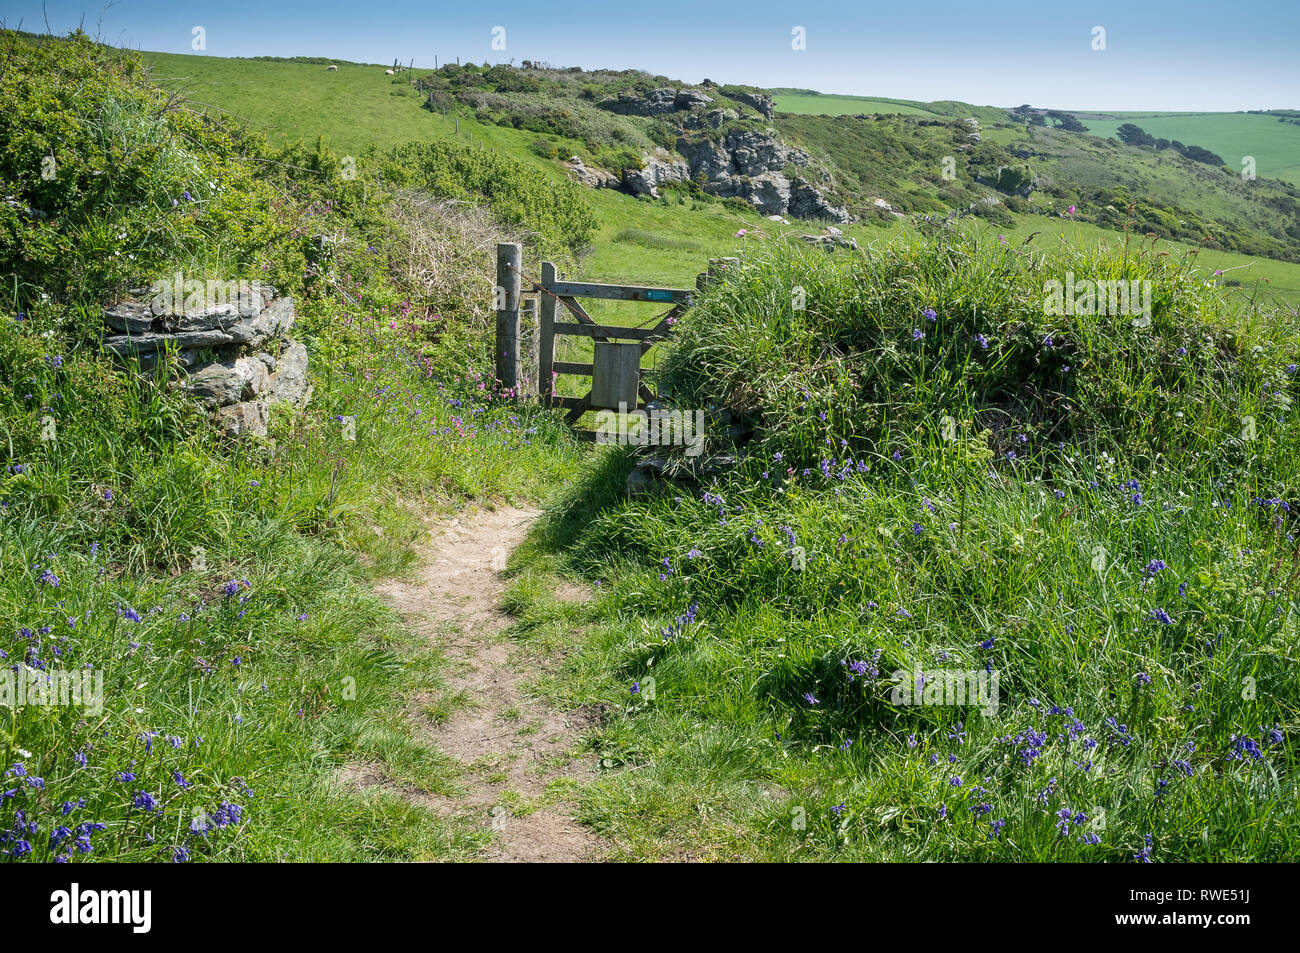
{"x":1273,"y":139}
{"x":880,"y":170}
{"x":809,"y":102}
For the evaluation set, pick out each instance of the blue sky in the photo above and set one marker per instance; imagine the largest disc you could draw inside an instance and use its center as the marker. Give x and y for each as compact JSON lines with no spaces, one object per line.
{"x":1159,"y":54}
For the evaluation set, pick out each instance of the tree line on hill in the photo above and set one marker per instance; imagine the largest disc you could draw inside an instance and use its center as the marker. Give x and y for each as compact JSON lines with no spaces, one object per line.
{"x":1040,"y":117}
{"x":1136,"y":136}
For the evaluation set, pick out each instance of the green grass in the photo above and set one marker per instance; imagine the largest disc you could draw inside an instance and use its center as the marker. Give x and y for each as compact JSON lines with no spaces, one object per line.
{"x":922,"y":552}
{"x":353,"y":107}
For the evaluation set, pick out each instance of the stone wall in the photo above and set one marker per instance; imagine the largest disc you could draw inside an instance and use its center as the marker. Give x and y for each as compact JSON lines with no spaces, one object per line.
{"x":236,"y":358}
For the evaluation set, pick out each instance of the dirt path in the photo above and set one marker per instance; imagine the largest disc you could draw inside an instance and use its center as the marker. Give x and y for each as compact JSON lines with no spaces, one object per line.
{"x":513,"y":746}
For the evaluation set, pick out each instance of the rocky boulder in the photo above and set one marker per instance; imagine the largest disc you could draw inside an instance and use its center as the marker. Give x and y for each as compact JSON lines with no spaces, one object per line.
{"x":658,"y":169}
{"x":759,"y":101}
{"x":235,"y":358}
{"x":752,"y":165}
{"x":228,"y":382}
{"x":656,"y":102}
{"x":242,"y":419}
{"x":288,"y":385}
{"x":690,"y":98}
{"x":807,"y":202}
{"x":592,"y":178}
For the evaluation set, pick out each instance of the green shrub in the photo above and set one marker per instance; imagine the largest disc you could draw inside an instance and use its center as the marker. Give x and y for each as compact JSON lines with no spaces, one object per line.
{"x":865,"y":352}
{"x":545,"y":148}
{"x":555,"y":213}
{"x":107,"y":181}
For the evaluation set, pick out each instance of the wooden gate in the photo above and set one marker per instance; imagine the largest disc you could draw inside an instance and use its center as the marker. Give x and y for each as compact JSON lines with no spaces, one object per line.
{"x":615,"y":369}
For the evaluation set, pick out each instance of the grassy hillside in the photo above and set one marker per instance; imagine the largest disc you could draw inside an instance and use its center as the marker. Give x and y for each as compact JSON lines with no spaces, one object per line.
{"x":366,"y":108}
{"x":1275,"y":145}
{"x":807,"y":102}
{"x":354,"y":107}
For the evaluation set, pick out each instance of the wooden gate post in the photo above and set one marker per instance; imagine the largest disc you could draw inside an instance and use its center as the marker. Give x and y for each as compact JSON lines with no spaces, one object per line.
{"x":528,"y":348}
{"x":546,"y":337}
{"x":509,"y":263}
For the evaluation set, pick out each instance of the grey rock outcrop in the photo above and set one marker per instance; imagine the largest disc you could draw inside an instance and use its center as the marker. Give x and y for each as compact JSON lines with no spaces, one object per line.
{"x":749,"y":164}
{"x":752,"y":165}
{"x":658,"y":169}
{"x":712,"y":119}
{"x":592,"y":178}
{"x":740,"y":152}
{"x":656,"y":102}
{"x":236,"y":358}
{"x":759,"y":101}
{"x":690,"y":98}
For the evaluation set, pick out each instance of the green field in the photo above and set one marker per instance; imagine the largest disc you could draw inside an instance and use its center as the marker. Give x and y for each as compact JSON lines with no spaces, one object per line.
{"x":805,"y":102}
{"x":1274,"y":145}
{"x":353,"y":107}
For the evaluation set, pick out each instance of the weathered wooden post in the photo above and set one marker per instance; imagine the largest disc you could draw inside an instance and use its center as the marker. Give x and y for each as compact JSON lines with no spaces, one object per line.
{"x":528,"y":348}
{"x":509,"y":264}
{"x":546,"y":337}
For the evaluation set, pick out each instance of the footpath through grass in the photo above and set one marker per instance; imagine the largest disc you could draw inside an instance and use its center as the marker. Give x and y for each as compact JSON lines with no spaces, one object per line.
{"x":218,"y":611}
{"x":190,"y":649}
